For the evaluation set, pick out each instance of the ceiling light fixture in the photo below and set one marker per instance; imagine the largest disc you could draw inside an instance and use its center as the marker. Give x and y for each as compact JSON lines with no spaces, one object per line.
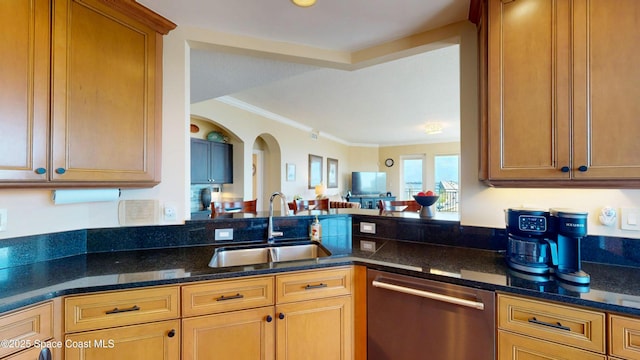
{"x":304,"y":3}
{"x":433,"y":128}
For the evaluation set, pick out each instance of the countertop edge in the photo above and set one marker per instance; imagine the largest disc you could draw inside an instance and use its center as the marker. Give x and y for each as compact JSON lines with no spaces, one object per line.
{"x":8,"y":305}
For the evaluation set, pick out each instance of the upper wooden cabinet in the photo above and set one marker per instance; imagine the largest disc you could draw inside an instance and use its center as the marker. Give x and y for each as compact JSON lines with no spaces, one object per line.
{"x":24,"y":89}
{"x":561,"y":93}
{"x":211,"y":162}
{"x":83,"y":98}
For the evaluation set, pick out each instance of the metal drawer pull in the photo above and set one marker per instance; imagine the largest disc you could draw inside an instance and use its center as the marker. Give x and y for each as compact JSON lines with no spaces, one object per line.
{"x":45,"y":354}
{"x":557,"y":325}
{"x":311,"y":287}
{"x":236,"y":296}
{"x":429,"y":295}
{"x":116,"y":310}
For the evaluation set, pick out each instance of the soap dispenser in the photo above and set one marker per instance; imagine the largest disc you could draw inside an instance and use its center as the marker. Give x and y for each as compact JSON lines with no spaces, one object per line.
{"x":315,"y":230}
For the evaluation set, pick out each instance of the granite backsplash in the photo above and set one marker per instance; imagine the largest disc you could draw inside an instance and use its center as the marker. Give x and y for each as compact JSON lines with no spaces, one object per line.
{"x":45,"y":247}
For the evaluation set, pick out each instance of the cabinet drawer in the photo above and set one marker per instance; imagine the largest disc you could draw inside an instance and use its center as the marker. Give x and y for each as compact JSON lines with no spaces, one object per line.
{"x":624,"y":337}
{"x":313,"y":285}
{"x":514,"y":346}
{"x":23,"y":327}
{"x":119,"y":308}
{"x":226,"y":295}
{"x":553,"y":322}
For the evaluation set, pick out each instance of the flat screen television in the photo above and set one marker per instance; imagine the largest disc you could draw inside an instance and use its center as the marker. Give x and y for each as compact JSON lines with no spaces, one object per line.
{"x":368,"y":183}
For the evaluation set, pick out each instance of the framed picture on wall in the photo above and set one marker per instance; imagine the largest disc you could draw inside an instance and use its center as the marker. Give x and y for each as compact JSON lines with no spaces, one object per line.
{"x":291,"y":172}
{"x":332,"y":173}
{"x":315,"y":170}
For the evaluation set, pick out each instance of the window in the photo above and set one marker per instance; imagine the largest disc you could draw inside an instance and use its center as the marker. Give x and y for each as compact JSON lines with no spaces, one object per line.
{"x":446,"y":174}
{"x":412,"y":170}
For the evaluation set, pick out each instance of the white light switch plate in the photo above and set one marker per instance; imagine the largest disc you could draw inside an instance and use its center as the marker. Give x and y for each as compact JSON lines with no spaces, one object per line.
{"x":630,"y":219}
{"x":223,"y":234}
{"x":368,"y":228}
{"x":170,"y":212}
{"x":368,"y":246}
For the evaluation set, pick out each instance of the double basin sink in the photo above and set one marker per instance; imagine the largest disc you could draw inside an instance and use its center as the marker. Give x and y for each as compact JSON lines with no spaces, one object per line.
{"x":267,"y":253}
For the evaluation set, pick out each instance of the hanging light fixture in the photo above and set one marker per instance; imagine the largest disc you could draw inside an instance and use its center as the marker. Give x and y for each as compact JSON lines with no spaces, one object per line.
{"x":304,"y":3}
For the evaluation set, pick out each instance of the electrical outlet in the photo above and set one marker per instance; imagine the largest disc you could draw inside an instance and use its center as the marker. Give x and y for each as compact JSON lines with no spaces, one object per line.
{"x":3,"y":219}
{"x":223,"y":234}
{"x":368,"y":246}
{"x":170,"y":212}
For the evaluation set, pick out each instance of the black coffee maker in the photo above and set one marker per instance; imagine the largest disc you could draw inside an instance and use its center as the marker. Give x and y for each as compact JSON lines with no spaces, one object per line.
{"x":570,"y":226}
{"x":531,"y":244}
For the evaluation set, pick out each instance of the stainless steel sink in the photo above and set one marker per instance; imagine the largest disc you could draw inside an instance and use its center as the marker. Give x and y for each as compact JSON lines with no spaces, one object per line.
{"x":299,"y":252}
{"x":261,"y":254}
{"x":235,"y":257}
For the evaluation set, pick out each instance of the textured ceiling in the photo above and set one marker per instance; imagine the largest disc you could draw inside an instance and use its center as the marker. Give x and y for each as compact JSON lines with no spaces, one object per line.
{"x":381,"y":104}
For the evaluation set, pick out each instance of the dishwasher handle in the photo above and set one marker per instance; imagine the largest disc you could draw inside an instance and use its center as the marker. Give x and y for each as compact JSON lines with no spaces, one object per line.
{"x":429,"y":295}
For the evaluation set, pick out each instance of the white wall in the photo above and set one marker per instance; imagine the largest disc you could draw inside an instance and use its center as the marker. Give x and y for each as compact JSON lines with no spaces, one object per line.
{"x":428,"y":150}
{"x":295,"y":147}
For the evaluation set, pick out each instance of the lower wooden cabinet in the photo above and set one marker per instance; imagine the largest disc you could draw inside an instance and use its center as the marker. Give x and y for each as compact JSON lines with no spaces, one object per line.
{"x":124,"y":325}
{"x":239,"y":335}
{"x":22,"y":330}
{"x":311,"y":317}
{"x":514,"y":346}
{"x":316,"y":329}
{"x":298,"y":315}
{"x":624,"y":337}
{"x":530,"y":329}
{"x":28,"y":354}
{"x":157,"y":341}
{"x":567,"y":325}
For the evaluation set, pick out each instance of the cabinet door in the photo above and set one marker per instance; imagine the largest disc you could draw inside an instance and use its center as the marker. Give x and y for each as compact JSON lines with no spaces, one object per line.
{"x":528,"y":89}
{"x":624,"y":337}
{"x":25,"y":327}
{"x":160,"y":340}
{"x":211,"y":162}
{"x":518,"y":347}
{"x":104,"y":125}
{"x":315,"y":330}
{"x":221,"y":163}
{"x":28,"y":354}
{"x":238,"y":335}
{"x":199,"y":161}
{"x":606,"y":92}
{"x":24,"y":89}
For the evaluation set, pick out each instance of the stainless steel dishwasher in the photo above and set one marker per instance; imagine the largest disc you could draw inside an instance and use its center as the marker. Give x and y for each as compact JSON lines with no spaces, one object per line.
{"x":410,"y":318}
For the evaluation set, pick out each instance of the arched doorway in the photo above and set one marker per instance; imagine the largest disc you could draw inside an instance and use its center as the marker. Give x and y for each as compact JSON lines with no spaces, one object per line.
{"x":266,"y":170}
{"x":200,"y":127}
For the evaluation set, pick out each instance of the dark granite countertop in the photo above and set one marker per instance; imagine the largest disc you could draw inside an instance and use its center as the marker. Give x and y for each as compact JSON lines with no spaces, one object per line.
{"x":613,"y":288}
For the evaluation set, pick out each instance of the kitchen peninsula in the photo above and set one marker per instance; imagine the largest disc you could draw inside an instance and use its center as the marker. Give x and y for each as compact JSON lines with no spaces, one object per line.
{"x":118,"y":258}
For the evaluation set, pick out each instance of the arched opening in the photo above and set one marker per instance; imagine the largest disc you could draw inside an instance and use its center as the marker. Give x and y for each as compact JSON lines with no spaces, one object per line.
{"x":266,"y":170}
{"x":200,"y":128}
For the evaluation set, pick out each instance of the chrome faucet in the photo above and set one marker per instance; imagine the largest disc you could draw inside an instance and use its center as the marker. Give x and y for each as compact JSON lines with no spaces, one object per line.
{"x":270,"y":233}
